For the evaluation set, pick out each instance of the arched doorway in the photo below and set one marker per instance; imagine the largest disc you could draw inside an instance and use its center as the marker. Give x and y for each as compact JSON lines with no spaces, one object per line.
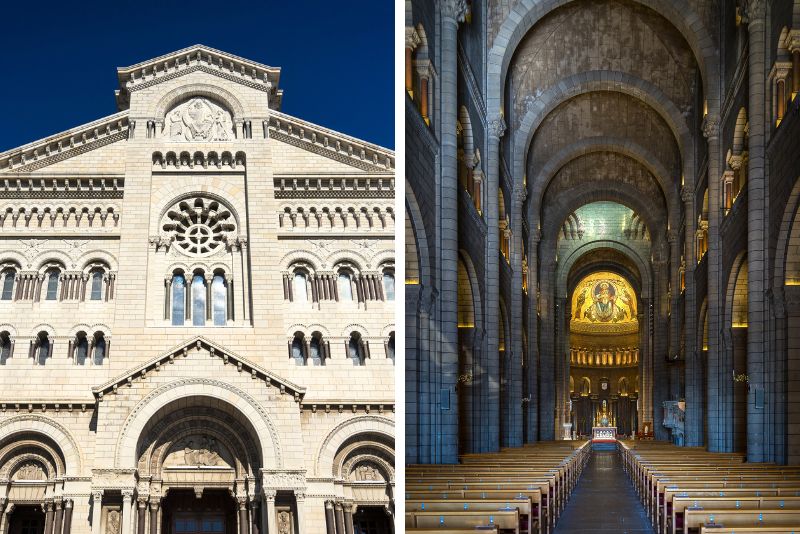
{"x":365,"y":465}
{"x":200,"y":457}
{"x":33,"y":468}
{"x":604,"y":353}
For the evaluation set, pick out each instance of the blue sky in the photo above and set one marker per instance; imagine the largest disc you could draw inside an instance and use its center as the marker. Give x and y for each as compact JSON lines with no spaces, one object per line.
{"x":59,"y":59}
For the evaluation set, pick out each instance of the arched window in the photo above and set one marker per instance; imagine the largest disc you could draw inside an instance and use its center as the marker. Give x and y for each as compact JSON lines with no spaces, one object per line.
{"x":52,"y":284}
{"x":300,"y":286}
{"x":198,"y":300}
{"x":355,"y":349}
{"x":345,"y":285}
{"x":178,"y":299}
{"x":388,"y":284}
{"x":316,"y":349}
{"x":390,"y":346}
{"x":6,"y":347}
{"x":43,"y":348}
{"x":298,"y":350}
{"x":97,"y":285}
{"x":9,"y":275}
{"x":100,"y":349}
{"x":219,"y":297}
{"x":81,"y":348}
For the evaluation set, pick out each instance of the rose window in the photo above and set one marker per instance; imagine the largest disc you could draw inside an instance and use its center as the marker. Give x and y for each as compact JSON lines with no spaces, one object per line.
{"x":199,"y":226}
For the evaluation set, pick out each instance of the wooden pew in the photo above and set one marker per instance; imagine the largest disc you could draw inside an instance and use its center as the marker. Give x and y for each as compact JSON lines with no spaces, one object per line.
{"x":694,"y":519}
{"x":729,"y":503}
{"x":524,"y":506}
{"x":506,"y":521}
{"x":481,"y":530}
{"x":749,"y":530}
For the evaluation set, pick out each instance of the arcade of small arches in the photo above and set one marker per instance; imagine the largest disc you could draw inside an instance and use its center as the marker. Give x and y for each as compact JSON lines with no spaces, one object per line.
{"x":597,"y":138}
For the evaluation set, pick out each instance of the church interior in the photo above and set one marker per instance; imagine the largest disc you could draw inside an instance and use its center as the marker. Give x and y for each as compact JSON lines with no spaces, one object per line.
{"x":602,"y":273}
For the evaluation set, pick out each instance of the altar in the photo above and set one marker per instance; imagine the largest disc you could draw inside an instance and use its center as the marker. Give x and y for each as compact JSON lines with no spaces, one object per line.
{"x":604,"y":438}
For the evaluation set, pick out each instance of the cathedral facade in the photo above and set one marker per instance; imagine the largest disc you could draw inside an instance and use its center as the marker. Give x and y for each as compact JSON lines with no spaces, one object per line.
{"x":197,"y":315}
{"x":556,"y":146}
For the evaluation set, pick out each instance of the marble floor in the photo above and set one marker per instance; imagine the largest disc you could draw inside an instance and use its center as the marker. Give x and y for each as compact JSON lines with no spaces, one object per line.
{"x":604,"y":501}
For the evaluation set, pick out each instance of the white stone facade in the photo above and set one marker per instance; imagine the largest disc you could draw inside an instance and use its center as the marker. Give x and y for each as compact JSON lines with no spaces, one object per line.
{"x":122,"y":393}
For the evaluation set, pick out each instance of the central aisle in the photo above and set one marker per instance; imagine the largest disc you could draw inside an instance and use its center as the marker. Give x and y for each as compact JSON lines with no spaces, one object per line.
{"x":603,"y":501}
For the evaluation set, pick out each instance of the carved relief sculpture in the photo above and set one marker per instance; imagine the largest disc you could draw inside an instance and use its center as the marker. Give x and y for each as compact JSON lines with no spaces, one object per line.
{"x":205,"y":454}
{"x":284,"y":522}
{"x":365,"y":473}
{"x":199,"y":119}
{"x":112,"y":523}
{"x":30,"y":471}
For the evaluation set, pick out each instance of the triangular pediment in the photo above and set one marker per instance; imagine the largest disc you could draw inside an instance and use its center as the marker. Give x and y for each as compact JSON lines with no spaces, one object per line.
{"x":65,"y":145}
{"x":330,"y":144}
{"x":181,"y":351}
{"x":203,"y":59}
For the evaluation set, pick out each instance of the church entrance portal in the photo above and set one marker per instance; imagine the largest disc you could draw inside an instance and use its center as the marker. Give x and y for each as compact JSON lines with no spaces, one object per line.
{"x":371,"y":520}
{"x":26,"y":520}
{"x":213,"y":513}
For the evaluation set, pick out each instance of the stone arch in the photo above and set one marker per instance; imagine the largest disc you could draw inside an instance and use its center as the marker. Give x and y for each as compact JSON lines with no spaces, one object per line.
{"x":527,"y":13}
{"x":641,"y":264}
{"x":471,"y":291}
{"x":417,"y":225}
{"x":251,"y":409}
{"x":739,"y":131}
{"x":589,"y":82}
{"x":736,"y":302}
{"x":185,"y":92}
{"x":37,"y":424}
{"x":621,"y":146}
{"x":330,"y":445}
{"x":787,"y":253}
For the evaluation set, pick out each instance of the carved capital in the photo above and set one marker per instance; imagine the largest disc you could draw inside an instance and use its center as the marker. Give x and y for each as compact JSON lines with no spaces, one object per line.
{"x":127,"y":495}
{"x":756,"y":11}
{"x":686,"y":194}
{"x":412,"y":38}
{"x":711,"y":126}
{"x":497,"y":126}
{"x":454,"y":9}
{"x":97,"y":495}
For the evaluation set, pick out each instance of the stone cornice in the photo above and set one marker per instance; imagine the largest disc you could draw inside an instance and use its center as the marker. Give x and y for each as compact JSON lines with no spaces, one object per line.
{"x":197,"y":343}
{"x":198,"y":57}
{"x":352,"y":406}
{"x":334,"y":186}
{"x":331,"y":144}
{"x":66,"y":144}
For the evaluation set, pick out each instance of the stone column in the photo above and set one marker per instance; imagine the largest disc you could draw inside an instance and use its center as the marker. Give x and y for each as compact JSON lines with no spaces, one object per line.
{"x":154,"y":504}
{"x":446,"y":451}
{"x":6,"y":517}
{"x":757,"y":235}
{"x":348,"y":517}
{"x":329,"y":520}
{"x":532,"y":376}
{"x":127,"y":511}
{"x":242,"y":515}
{"x":48,"y":518}
{"x":59,"y":517}
{"x":67,"y":516}
{"x":512,"y":408}
{"x":300,"y":500}
{"x":693,"y":371}
{"x":272,"y":519}
{"x":339,"y":514}
{"x":717,"y":370}
{"x":97,"y":508}
{"x":141,"y":518}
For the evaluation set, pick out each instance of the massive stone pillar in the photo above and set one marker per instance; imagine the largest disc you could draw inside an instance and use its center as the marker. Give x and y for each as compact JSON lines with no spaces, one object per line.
{"x":547,"y":361}
{"x":693,"y":372}
{"x":718,"y":417}
{"x":532,"y":376}
{"x":446,"y":451}
{"x":660,"y":344}
{"x":512,"y":407}
{"x":489,"y":385}
{"x":757,"y":216}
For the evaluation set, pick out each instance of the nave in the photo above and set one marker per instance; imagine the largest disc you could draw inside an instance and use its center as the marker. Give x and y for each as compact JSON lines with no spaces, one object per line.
{"x":604,"y":500}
